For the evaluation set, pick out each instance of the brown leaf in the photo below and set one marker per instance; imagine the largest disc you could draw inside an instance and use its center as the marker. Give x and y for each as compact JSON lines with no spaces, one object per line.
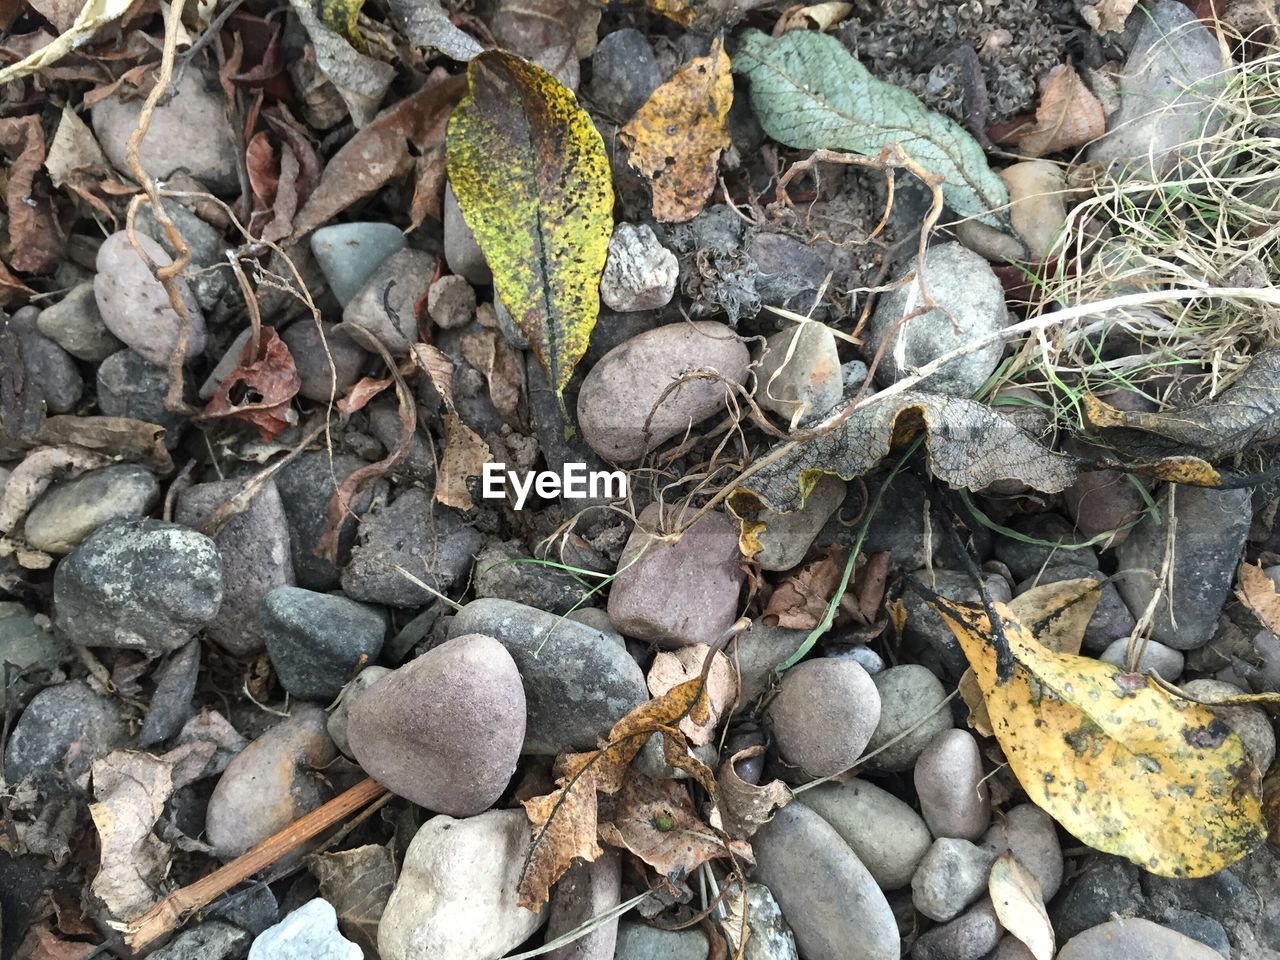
{"x":800,"y":601}
{"x":35,"y":236}
{"x":655,"y":820}
{"x":671,"y":668}
{"x":260,"y":390}
{"x":564,"y":821}
{"x":361,"y":392}
{"x":465,"y":454}
{"x":745,"y":807}
{"x":1069,"y":115}
{"x":11,"y":288}
{"x":675,"y":139}
{"x":1257,"y":591}
{"x":74,"y":151}
{"x":1107,"y":16}
{"x":863,"y":601}
{"x":123,"y":439}
{"x":493,"y":356}
{"x":41,"y":944}
{"x":357,"y":882}
{"x":35,"y":473}
{"x":131,"y":791}
{"x":382,"y":151}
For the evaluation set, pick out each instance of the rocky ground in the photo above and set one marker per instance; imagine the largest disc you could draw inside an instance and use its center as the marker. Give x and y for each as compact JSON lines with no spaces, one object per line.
{"x":248,"y":561}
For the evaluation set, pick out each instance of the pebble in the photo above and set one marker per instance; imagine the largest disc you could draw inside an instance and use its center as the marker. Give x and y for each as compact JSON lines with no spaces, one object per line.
{"x":970,"y":936}
{"x":1134,"y":939}
{"x":1111,"y":620}
{"x":318,"y":380}
{"x":461,"y":252}
{"x":624,"y":73}
{"x":787,"y":537}
{"x":47,"y":365}
{"x":451,"y":302}
{"x":384,"y":423}
{"x":62,"y":731}
{"x":952,"y":875}
{"x":170,"y":706}
{"x":843,"y":917}
{"x":1212,"y":526}
{"x":456,"y":895}
{"x":1106,"y":886}
{"x":308,"y":933}
{"x":640,"y":273}
{"x":208,"y":273}
{"x":1250,"y":723}
{"x":790,"y":272}
{"x":961,"y":282}
{"x":577,"y":685}
{"x":228,"y":362}
{"x":1010,"y":948}
{"x":349,"y":254}
{"x":317,"y":641}
{"x":800,"y":377}
{"x":444,"y":730}
{"x":400,"y":281}
{"x":1172,"y":76}
{"x":907,"y":693}
{"x":1037,"y":211}
{"x":1033,"y":837}
{"x":949,"y":779}
{"x":759,"y":923}
{"x":1156,"y":657}
{"x":190,"y":131}
{"x":272,"y":782}
{"x":141,"y":585}
{"x":1026,"y":560}
{"x":639,"y":941}
{"x":24,"y":642}
{"x":70,"y":510}
{"x":211,"y":940}
{"x":128,"y":386}
{"x":682,"y":593}
{"x":431,"y":541}
{"x":619,"y":392}
{"x":928,"y":637}
{"x":504,"y":570}
{"x":255,"y":551}
{"x":353,"y":691}
{"x":75,"y":324}
{"x":824,"y":714}
{"x":888,"y":836}
{"x":135,"y":305}
{"x":305,"y":486}
{"x":757,"y":652}
{"x":586,"y":891}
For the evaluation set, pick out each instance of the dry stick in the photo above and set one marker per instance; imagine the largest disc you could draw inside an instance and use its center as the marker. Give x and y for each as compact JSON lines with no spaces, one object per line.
{"x":1133,"y":654}
{"x":171,"y":912}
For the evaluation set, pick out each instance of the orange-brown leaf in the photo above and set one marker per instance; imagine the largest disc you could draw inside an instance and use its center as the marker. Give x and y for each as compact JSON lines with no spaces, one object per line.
{"x":1258,"y":593}
{"x":800,"y":601}
{"x":1069,"y":115}
{"x":260,"y":390}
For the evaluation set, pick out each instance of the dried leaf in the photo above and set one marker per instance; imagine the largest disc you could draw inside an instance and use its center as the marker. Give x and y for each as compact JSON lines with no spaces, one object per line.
{"x":1243,"y":415}
{"x":502,"y":367}
{"x":427,"y":25}
{"x":745,"y":807}
{"x":544,"y":226}
{"x":362,"y":81}
{"x":465,"y":453}
{"x":671,"y":668}
{"x":1019,"y":903}
{"x":969,"y":445}
{"x":123,"y":439}
{"x":361,"y":392}
{"x":34,"y":234}
{"x":675,"y":139}
{"x":800,"y":601}
{"x":1121,"y":763}
{"x":131,"y":790}
{"x":655,"y":820}
{"x":35,"y":473}
{"x":94,"y":15}
{"x":554,"y":34}
{"x":74,"y":150}
{"x":260,"y":390}
{"x":810,"y":93}
{"x":42,"y":944}
{"x":564,"y":821}
{"x":1258,"y":592}
{"x":1069,"y":115}
{"x":358,"y":883}
{"x":343,"y":18}
{"x":1107,"y":16}
{"x":817,"y":16}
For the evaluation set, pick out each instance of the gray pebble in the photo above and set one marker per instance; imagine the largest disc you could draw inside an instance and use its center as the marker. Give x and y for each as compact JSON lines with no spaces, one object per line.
{"x":75,"y":324}
{"x":952,"y":788}
{"x":317,"y":641}
{"x":640,"y":273}
{"x":952,"y":875}
{"x":824,"y":714}
{"x":320,"y":380}
{"x":451,"y":302}
{"x":907,"y":694}
{"x":62,"y":731}
{"x":72,"y":509}
{"x":170,"y":705}
{"x":623,"y":73}
{"x":400,"y":283}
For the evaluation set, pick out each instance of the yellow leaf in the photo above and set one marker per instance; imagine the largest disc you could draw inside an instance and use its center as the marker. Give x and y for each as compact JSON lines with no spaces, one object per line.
{"x":675,"y":139}
{"x":343,"y":18}
{"x":1019,"y":903}
{"x":1121,"y":763}
{"x":677,"y":11}
{"x":533,"y":182}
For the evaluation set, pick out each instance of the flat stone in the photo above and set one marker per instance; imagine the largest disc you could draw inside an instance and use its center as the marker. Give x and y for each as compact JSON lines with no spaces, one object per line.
{"x":639,"y":941}
{"x":585,"y":892}
{"x":888,"y":836}
{"x":75,"y":324}
{"x":1033,"y":837}
{"x":26,"y":643}
{"x":577,"y":682}
{"x":1134,"y":939}
{"x":170,"y":706}
{"x":317,"y":641}
{"x":970,"y":936}
{"x":952,"y":788}
{"x":622,"y":389}
{"x":824,"y":714}
{"x":349,"y":253}
{"x":456,"y":895}
{"x":451,"y":302}
{"x":623,"y":73}
{"x":1155,"y":657}
{"x":353,"y":691}
{"x":907,"y":693}
{"x":506,"y":571}
{"x":211,"y":940}
{"x":308,"y":933}
{"x":952,"y":875}
{"x":461,"y":252}
{"x":70,"y":510}
{"x":787,"y":537}
{"x":680,"y":593}
{"x":758,"y":652}
{"x":640,"y":273}
{"x":800,"y":377}
{"x":401,"y":280}
{"x":445,"y":730}
{"x":141,"y":585}
{"x":46,"y":365}
{"x":318,"y":378}
{"x":1106,"y":887}
{"x":61,"y":732}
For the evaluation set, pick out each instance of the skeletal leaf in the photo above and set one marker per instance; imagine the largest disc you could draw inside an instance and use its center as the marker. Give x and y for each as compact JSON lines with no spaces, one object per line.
{"x":1019,"y":903}
{"x":357,"y":882}
{"x":675,"y":139}
{"x":1245,"y":414}
{"x":362,"y":81}
{"x":810,"y":93}
{"x":1069,"y":115}
{"x":1124,"y":765}
{"x":1257,"y":591}
{"x":533,"y":182}
{"x":969,"y":445}
{"x":427,"y":25}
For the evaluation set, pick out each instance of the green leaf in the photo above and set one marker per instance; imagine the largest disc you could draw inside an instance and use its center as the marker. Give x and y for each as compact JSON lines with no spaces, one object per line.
{"x":810,"y":93}
{"x":533,"y":182}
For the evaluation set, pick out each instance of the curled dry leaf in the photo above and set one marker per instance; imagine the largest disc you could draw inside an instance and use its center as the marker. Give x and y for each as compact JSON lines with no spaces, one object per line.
{"x":544,"y":226}
{"x":800,"y":601}
{"x":1069,"y":115}
{"x":1107,"y":16}
{"x":1258,"y":592}
{"x":1120,"y":762}
{"x":745,"y":807}
{"x":673,"y":667}
{"x":465,"y":453}
{"x":503,"y":369}
{"x":676,"y":138}
{"x":260,"y":390}
{"x":1019,"y":903}
{"x":32,"y":477}
{"x":361,"y":81}
{"x":358,"y":883}
{"x":35,"y":237}
{"x":94,"y":15}
{"x":816,"y":16}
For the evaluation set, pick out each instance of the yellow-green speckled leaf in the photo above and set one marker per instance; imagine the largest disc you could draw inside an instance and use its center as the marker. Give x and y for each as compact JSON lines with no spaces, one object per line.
{"x":533,"y":183}
{"x":342,"y":17}
{"x":1123,"y":764}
